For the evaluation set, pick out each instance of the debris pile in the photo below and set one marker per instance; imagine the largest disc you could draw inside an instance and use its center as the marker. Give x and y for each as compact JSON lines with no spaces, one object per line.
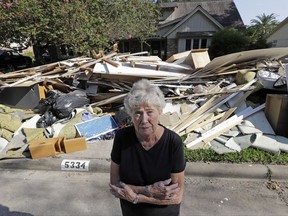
{"x":208,"y":102}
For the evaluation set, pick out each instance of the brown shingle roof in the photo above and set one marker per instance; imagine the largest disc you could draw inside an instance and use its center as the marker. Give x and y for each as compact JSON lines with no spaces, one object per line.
{"x":224,"y":11}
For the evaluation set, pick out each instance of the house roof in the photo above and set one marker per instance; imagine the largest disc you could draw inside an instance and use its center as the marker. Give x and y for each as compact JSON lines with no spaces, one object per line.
{"x":187,"y":16}
{"x":279,"y":26}
{"x":224,"y":11}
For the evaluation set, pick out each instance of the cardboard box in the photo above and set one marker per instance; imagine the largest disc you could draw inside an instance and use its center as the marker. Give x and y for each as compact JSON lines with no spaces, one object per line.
{"x":276,"y":111}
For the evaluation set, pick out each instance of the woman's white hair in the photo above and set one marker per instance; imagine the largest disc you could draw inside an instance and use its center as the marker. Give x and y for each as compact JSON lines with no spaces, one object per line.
{"x":143,"y":92}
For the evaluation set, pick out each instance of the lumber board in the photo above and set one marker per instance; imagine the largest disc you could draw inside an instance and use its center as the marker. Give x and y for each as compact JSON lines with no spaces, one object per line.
{"x":201,"y":124}
{"x":235,"y":106}
{"x":144,"y":58}
{"x":109,"y":100}
{"x":109,"y":61}
{"x":195,"y":115}
{"x":225,"y":126}
{"x":202,"y":110}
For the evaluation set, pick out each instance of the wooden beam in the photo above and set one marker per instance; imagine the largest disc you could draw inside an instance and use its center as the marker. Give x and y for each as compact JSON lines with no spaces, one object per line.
{"x":225,"y":126}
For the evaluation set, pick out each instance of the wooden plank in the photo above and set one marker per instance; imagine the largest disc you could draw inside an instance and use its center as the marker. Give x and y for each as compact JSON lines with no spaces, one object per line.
{"x":201,"y":124}
{"x":109,"y":100}
{"x":225,"y":126}
{"x":235,"y":106}
{"x":144,"y":58}
{"x":109,"y":61}
{"x":131,"y":54}
{"x":178,"y":56}
{"x":195,"y":115}
{"x":202,"y":111}
{"x":23,"y":80}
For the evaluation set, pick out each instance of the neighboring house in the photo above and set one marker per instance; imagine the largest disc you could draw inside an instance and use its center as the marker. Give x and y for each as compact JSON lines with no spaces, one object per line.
{"x":279,"y":36}
{"x":187,"y":25}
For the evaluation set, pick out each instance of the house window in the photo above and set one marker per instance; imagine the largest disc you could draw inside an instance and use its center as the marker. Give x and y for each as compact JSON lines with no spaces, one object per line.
{"x":196,"y":43}
{"x":203,"y":43}
{"x":188,"y":44}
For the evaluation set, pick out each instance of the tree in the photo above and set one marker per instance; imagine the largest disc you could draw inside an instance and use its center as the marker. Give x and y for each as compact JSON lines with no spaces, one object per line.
{"x":83,"y":24}
{"x":260,"y":29}
{"x":228,"y":41}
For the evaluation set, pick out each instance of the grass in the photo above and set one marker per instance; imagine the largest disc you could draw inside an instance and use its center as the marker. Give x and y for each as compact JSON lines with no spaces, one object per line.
{"x":29,"y":54}
{"x":249,"y":155}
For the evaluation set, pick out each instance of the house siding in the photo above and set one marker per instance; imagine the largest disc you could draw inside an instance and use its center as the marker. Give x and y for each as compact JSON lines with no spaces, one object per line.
{"x":280,"y":37}
{"x":164,"y":30}
{"x":197,"y":23}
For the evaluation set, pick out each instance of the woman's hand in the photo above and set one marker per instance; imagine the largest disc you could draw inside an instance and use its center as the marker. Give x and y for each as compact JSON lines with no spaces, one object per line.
{"x":123,"y":191}
{"x":163,"y":190}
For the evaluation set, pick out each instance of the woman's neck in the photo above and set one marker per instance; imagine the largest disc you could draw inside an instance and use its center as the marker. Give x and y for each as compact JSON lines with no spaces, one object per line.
{"x":149,"y":141}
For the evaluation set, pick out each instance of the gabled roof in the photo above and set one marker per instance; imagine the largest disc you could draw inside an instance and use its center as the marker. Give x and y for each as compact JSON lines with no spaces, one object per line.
{"x":198,"y":8}
{"x":224,"y":11}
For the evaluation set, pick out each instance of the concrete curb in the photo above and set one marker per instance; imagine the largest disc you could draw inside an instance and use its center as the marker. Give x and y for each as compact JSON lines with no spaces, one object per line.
{"x":197,"y":169}
{"x":98,"y":155}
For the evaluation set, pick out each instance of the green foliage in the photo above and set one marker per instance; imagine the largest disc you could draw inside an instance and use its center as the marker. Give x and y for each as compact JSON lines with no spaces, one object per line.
{"x":260,"y":28}
{"x":249,"y":155}
{"x":228,"y":41}
{"x":83,"y":24}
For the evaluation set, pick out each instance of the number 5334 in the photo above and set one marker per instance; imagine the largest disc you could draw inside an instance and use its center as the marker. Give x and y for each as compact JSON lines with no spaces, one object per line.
{"x":77,"y":165}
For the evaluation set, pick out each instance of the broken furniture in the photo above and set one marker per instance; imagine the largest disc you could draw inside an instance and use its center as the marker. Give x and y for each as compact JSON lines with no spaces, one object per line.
{"x":276,"y":113}
{"x":52,"y":146}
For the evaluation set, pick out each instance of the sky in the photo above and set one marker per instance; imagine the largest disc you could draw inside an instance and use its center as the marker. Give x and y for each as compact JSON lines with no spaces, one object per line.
{"x":249,"y":9}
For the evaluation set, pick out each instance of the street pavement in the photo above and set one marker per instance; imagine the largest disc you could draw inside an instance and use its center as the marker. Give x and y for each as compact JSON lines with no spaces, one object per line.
{"x":45,"y":187}
{"x":98,"y":155}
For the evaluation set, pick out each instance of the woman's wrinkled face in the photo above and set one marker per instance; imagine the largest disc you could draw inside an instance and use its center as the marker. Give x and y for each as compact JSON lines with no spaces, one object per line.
{"x":145,"y":119}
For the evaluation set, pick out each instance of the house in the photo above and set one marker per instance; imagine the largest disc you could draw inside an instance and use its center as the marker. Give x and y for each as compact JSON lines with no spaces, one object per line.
{"x":187,"y":25}
{"x":279,"y":36}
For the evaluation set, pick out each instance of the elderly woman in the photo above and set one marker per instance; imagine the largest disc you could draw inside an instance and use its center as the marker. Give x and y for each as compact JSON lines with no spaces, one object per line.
{"x":147,"y":159}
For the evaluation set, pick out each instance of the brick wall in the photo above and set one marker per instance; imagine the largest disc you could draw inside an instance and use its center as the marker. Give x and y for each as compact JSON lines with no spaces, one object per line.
{"x":172,"y":47}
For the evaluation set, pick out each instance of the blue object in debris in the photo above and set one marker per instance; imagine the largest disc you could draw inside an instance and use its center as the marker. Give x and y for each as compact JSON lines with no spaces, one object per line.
{"x":97,"y":126}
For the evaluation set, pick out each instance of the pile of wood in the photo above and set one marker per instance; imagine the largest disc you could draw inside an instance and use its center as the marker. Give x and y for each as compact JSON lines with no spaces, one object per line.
{"x":212,"y":95}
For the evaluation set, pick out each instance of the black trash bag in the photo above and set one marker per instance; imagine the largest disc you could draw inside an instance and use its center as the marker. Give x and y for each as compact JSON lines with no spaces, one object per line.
{"x":46,"y":120}
{"x":65,"y":103}
{"x":46,"y":103}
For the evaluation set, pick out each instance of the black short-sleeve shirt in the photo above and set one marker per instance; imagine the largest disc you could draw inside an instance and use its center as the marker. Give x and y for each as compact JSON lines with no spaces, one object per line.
{"x":141,"y":167}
